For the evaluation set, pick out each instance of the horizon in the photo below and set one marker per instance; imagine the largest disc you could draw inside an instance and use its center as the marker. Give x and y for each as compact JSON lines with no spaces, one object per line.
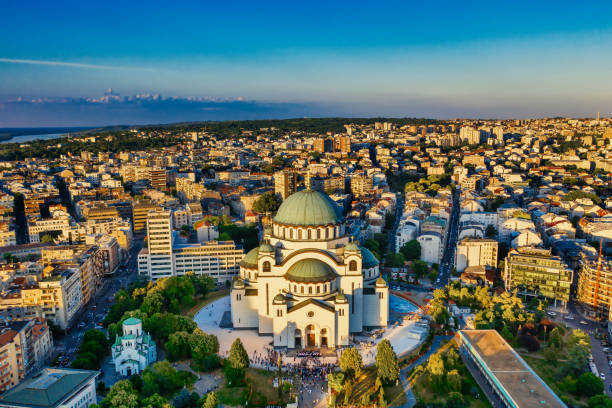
{"x":260,"y":61}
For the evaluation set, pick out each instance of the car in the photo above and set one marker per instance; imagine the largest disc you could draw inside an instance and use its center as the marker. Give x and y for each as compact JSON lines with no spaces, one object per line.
{"x":602,"y":376}
{"x":81,"y":325}
{"x":551,"y":313}
{"x":569,"y":317}
{"x":605,"y":349}
{"x":583,"y":322}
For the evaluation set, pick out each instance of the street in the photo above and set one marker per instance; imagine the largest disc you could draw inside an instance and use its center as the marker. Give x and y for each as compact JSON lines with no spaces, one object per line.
{"x":94,"y":312}
{"x":448,"y":257}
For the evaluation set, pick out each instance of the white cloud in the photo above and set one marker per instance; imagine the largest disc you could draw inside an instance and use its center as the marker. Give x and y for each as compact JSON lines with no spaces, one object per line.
{"x":65,"y":64}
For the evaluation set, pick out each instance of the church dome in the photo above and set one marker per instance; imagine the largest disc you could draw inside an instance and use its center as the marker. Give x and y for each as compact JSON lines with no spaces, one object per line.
{"x":368,"y":260}
{"x":310,"y":270}
{"x":351,"y":246}
{"x":250,"y":259}
{"x":279,"y":298}
{"x":309,"y":208}
{"x":266,"y":248}
{"x":381,"y":283}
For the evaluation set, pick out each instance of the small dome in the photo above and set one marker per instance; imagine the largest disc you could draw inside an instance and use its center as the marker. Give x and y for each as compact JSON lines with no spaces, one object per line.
{"x":250,"y":259}
{"x":238,"y":284}
{"x":279,"y":298}
{"x":340,"y":298}
{"x":351,"y":246}
{"x":309,"y":208}
{"x":310,"y":270}
{"x":381,"y":283}
{"x":266,"y":248}
{"x":368,"y":260}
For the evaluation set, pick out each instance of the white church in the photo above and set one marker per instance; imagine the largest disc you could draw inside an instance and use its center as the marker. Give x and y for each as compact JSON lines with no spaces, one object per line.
{"x":133,"y":351}
{"x":307,"y":284}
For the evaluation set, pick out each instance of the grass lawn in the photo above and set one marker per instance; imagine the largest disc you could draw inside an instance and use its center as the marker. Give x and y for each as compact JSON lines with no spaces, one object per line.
{"x":395,"y":395}
{"x":203,"y":301}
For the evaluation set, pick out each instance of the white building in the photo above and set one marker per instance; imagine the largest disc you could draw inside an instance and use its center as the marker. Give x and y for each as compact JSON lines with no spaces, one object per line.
{"x":133,"y":351}
{"x":307,"y":285}
{"x":476,"y":252}
{"x":431,"y":246}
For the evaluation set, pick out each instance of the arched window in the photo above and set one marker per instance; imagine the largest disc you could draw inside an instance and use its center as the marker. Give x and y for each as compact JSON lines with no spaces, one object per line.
{"x":309,"y":237}
{"x":291,"y":234}
{"x":318,"y":289}
{"x":318,"y":234}
{"x":299,"y":234}
{"x":302,"y":289}
{"x":325,"y":288}
{"x":353,"y":266}
{"x":266,"y":266}
{"x":326,"y":233}
{"x":310,"y":290}
{"x":295,"y":288}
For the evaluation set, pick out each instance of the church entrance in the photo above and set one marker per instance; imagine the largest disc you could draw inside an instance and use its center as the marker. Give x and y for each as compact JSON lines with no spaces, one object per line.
{"x":129,"y":371}
{"x":298,"y":338}
{"x":310,"y":336}
{"x":324,"y":338}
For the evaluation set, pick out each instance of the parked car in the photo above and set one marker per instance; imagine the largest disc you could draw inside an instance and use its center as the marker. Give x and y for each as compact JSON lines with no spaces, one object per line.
{"x":602,"y":376}
{"x":583,"y":322}
{"x":551,"y":313}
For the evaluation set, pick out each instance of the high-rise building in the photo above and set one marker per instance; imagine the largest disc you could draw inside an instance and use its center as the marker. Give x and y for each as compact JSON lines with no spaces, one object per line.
{"x":140,"y":213}
{"x":342,"y":144}
{"x":285,"y":182}
{"x":157,"y":177}
{"x":323,"y":145}
{"x":361,"y":184}
{"x":595,"y":286}
{"x":536,"y":272}
{"x":159,"y":244}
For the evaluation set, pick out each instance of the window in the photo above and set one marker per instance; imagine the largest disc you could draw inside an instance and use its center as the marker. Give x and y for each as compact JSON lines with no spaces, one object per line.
{"x":295,"y":288}
{"x":238,"y":297}
{"x":380,"y":295}
{"x":309,"y":237}
{"x":353,"y":266}
{"x":299,"y":234}
{"x":341,"y":312}
{"x":318,"y":289}
{"x":279,"y":313}
{"x":310,"y":290}
{"x":266,"y":266}
{"x":302,"y":289}
{"x":325,"y":288}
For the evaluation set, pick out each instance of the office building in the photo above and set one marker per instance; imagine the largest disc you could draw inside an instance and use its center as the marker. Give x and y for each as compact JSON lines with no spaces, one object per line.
{"x":536,"y":272}
{"x":476,"y":252}
{"x":285,"y":182}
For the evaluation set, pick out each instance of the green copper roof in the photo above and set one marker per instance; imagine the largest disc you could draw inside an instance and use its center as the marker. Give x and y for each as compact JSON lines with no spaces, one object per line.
{"x":131,"y":321}
{"x":266,"y":248}
{"x":250,"y":259}
{"x":309,"y":207}
{"x":310,"y":270}
{"x":368,"y":260}
{"x":351,"y":246}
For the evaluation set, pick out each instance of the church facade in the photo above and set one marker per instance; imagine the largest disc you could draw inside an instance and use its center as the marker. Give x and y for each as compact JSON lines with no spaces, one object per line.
{"x":307,"y":284}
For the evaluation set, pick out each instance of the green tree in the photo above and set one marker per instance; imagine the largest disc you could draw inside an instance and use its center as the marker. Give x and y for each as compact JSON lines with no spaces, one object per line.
{"x":387,"y":366}
{"x":589,"y":385}
{"x":351,"y":362}
{"x":211,"y":401}
{"x":267,"y":203}
{"x":47,"y":239}
{"x":178,"y":346}
{"x":154,"y":401}
{"x":491,"y":231}
{"x":238,"y":357}
{"x":411,"y":250}
{"x":123,"y":395}
{"x":600,"y":401}
{"x":455,"y":400}
{"x":453,"y":381}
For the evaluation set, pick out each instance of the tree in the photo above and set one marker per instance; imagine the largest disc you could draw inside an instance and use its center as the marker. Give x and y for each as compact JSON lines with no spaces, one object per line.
{"x":47,"y":238}
{"x":387,"y":367}
{"x":453,"y":380}
{"x":455,"y":400}
{"x":178,"y":346}
{"x":122,"y":394}
{"x":238,"y":357}
{"x":351,"y":362}
{"x":211,"y":401}
{"x":154,"y":401}
{"x":411,"y":250}
{"x":491,"y":231}
{"x":589,"y":385}
{"x":267,"y":203}
{"x":600,"y":401}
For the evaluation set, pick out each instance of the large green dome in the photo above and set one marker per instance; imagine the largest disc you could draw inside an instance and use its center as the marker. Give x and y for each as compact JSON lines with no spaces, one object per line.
{"x":309,"y":207}
{"x":310,"y":270}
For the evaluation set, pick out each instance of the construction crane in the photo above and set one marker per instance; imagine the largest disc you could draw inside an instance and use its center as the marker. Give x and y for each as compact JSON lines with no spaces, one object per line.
{"x":597,"y":276}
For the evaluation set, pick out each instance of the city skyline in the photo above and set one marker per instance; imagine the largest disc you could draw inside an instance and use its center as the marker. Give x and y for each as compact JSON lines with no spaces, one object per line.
{"x":278,"y":61}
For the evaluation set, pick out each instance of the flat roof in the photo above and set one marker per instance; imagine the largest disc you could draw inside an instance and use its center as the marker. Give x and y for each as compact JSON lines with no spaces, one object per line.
{"x":511,"y":373}
{"x":49,"y":388}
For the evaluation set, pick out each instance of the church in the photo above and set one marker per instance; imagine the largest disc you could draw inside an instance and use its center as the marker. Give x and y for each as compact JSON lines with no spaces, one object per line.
{"x":308,"y":284}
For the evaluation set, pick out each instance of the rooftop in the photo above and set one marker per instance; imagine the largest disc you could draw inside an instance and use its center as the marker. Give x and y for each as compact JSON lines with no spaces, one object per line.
{"x":512,"y":374}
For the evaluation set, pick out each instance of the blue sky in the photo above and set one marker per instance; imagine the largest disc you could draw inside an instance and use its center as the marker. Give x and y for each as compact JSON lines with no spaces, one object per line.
{"x":435,"y":59}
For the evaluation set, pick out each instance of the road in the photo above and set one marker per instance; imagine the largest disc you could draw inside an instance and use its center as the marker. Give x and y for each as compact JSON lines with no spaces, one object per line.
{"x":94,"y":312}
{"x":399,"y":210}
{"x":448,"y":257}
{"x":588,"y":326}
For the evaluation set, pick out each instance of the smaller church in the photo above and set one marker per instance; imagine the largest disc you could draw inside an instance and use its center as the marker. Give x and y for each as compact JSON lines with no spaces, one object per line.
{"x":133,"y":351}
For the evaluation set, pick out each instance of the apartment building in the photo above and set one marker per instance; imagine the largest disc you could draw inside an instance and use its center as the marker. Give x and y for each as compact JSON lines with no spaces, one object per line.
{"x":140,"y":214}
{"x":476,"y":252}
{"x":595,"y":286}
{"x":159,"y":244}
{"x":361,"y":184}
{"x":536,"y":272}
{"x":285,"y":182}
{"x":58,"y":223}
